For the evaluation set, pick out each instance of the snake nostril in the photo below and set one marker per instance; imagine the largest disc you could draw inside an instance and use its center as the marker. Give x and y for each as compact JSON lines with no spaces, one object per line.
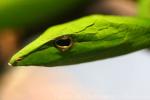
{"x":18,"y":59}
{"x":15,"y":62}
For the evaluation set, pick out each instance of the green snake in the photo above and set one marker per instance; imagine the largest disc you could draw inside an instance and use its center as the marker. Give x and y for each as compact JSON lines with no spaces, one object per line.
{"x":90,"y":38}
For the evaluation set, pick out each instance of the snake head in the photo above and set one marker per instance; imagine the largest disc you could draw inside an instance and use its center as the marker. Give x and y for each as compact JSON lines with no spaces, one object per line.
{"x":86,"y":39}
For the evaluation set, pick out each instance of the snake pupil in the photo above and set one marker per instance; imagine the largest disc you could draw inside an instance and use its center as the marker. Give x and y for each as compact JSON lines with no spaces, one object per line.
{"x":63,"y":43}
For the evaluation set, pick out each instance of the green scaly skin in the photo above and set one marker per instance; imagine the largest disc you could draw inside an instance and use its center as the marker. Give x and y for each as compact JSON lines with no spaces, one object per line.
{"x":95,"y":37}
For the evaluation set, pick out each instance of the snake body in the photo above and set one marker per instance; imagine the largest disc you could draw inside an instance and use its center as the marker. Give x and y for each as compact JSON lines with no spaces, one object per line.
{"x":86,"y":39}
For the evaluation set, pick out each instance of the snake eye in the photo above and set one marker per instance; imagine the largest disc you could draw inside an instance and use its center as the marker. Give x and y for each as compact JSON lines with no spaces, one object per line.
{"x":63,"y":43}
